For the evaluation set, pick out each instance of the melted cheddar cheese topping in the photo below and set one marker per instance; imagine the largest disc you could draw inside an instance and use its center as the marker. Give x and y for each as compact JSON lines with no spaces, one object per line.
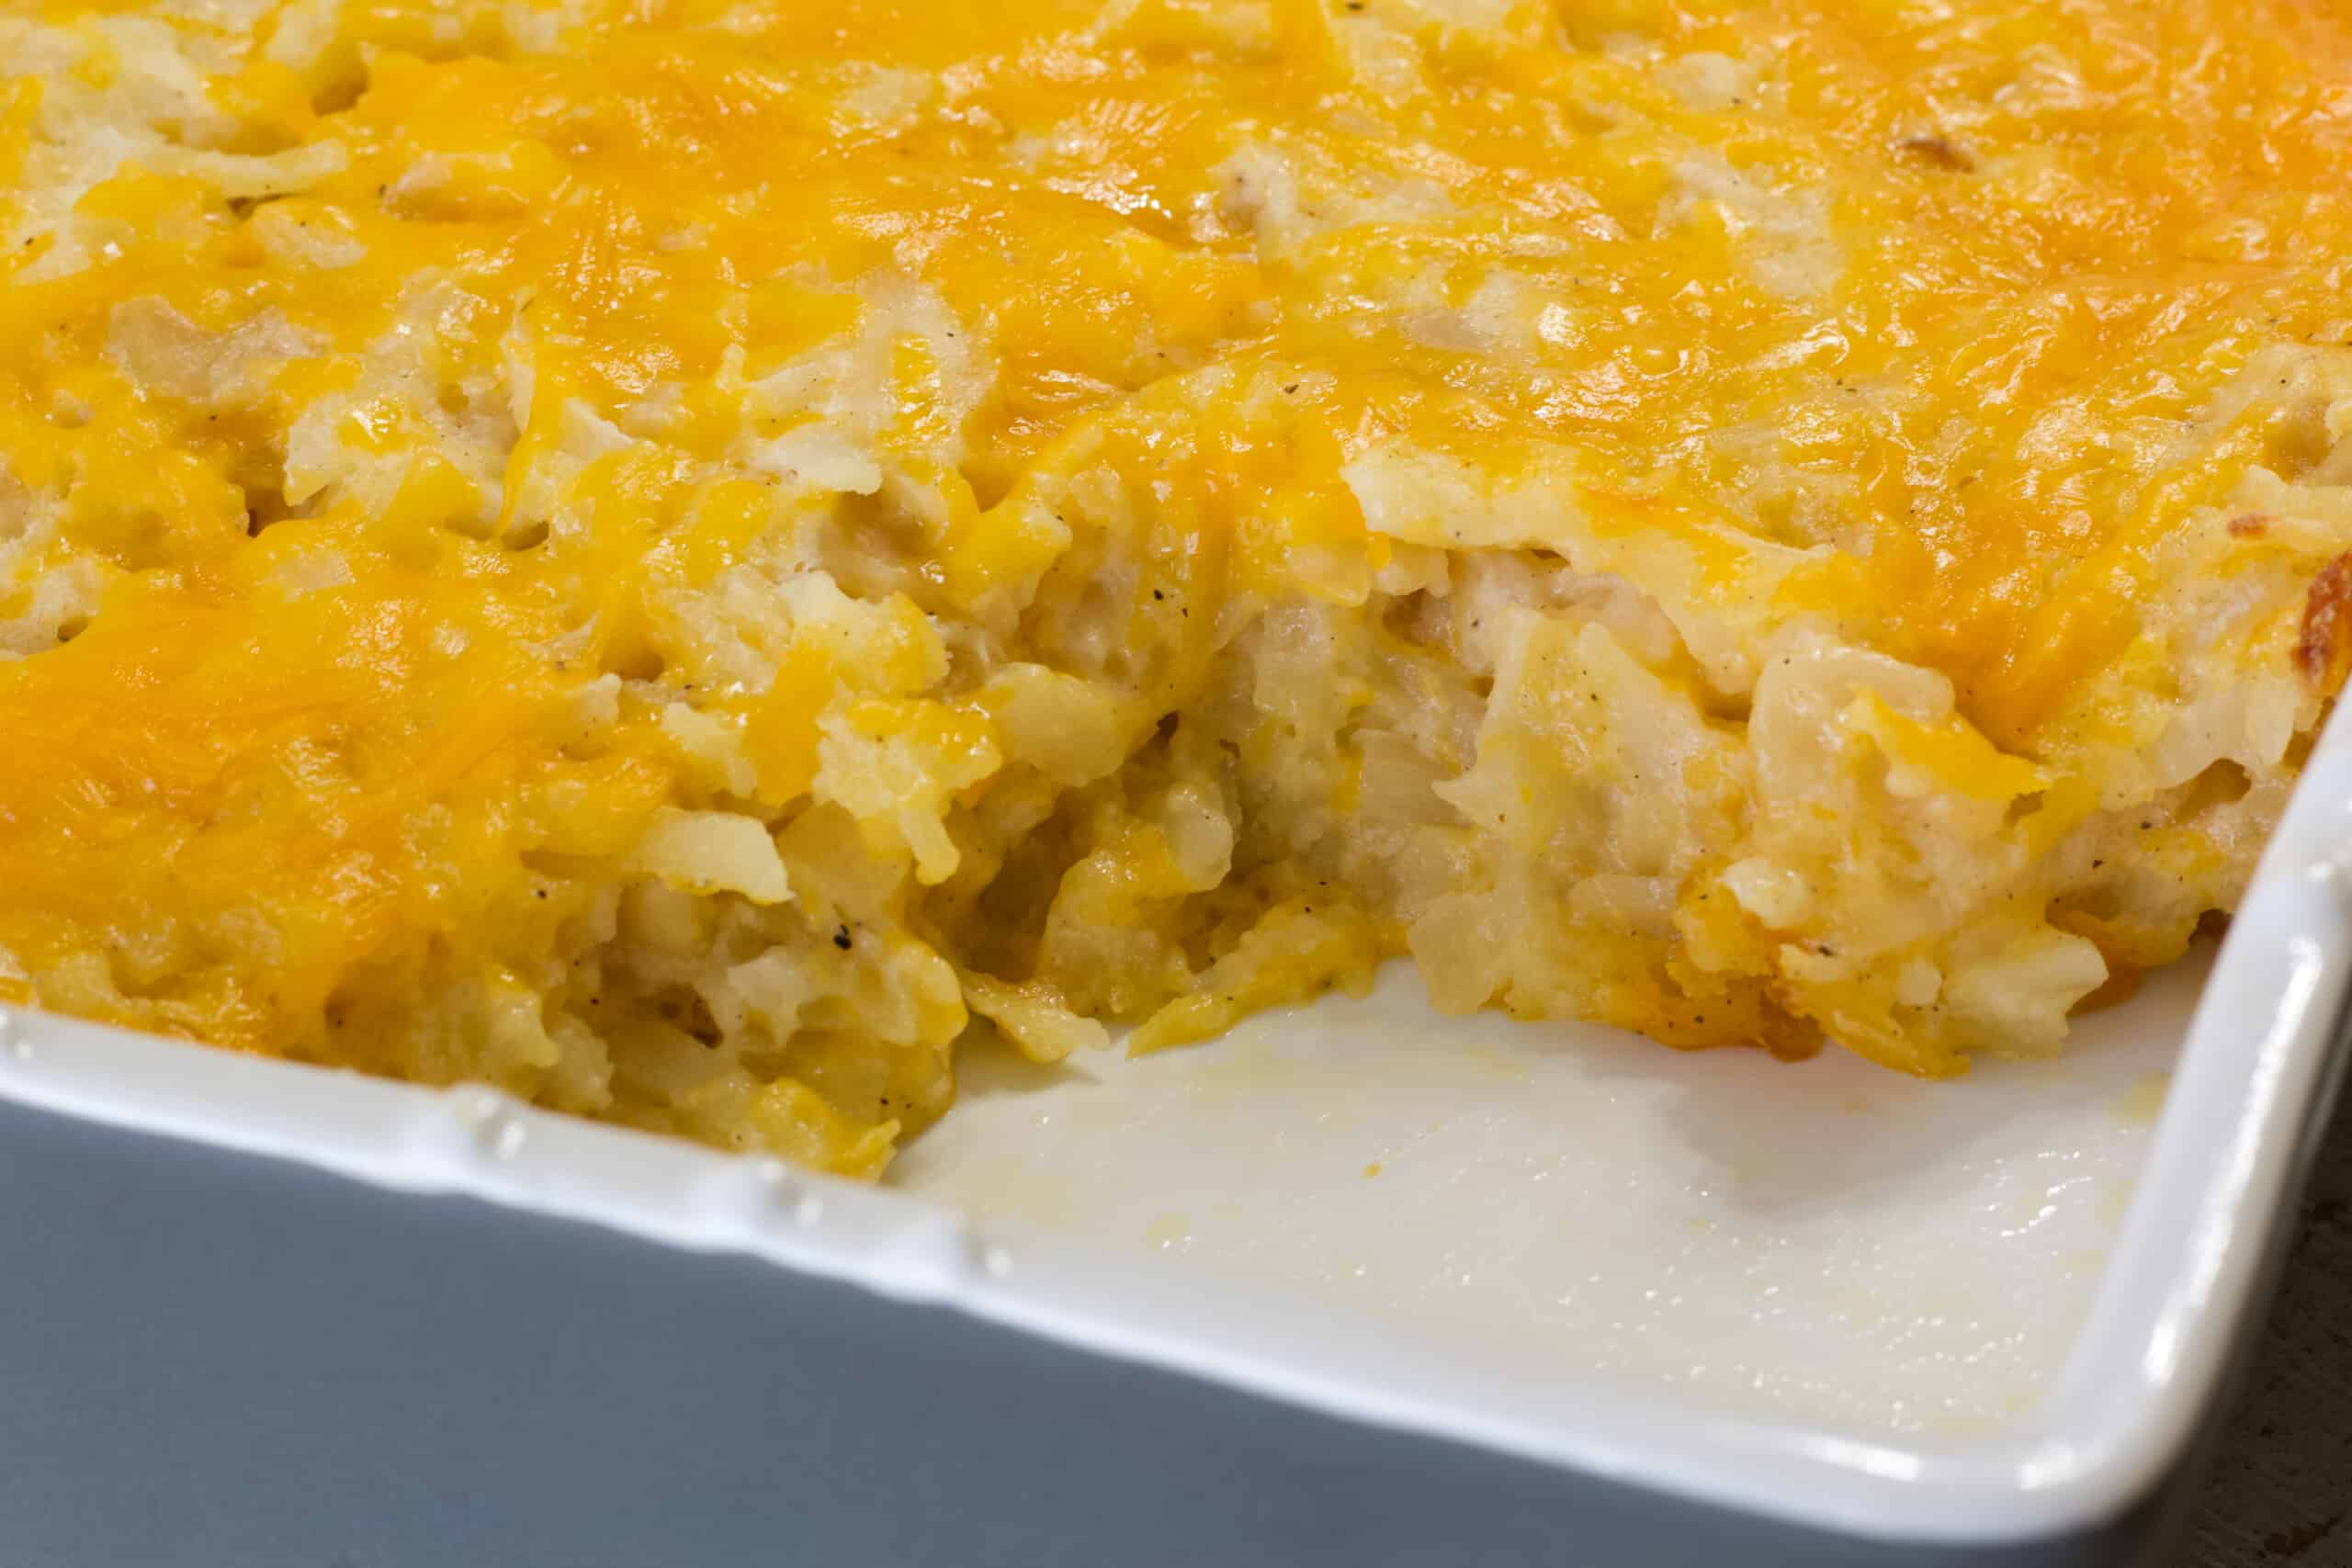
{"x":670,"y":555}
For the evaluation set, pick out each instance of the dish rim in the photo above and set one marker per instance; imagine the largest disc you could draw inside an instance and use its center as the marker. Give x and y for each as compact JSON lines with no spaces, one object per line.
{"x":2256,"y":1074}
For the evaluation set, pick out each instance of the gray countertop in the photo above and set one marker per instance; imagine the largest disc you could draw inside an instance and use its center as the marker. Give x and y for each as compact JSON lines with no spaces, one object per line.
{"x":2281,"y":1491}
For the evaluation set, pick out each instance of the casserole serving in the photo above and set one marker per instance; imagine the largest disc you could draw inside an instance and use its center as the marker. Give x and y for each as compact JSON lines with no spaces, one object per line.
{"x":681,"y":560}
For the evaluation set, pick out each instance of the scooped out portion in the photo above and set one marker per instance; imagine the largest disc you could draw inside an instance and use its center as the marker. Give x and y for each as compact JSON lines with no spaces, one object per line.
{"x":683,"y":559}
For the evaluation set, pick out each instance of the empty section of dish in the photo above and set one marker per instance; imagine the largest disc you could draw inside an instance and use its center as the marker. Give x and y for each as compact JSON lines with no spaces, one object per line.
{"x":1817,"y":1240}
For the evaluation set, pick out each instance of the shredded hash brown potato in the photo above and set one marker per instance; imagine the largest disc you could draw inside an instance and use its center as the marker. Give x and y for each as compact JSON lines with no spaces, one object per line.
{"x":682,"y":557}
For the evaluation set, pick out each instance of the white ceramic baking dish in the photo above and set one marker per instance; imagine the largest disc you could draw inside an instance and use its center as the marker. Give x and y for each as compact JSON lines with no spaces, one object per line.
{"x":1971,"y":1315}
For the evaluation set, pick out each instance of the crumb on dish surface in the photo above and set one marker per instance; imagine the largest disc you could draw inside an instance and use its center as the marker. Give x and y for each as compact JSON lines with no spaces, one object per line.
{"x":679,"y":559}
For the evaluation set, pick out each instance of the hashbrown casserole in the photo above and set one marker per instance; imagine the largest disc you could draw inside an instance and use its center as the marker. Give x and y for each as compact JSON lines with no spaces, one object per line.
{"x":680,"y":557}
